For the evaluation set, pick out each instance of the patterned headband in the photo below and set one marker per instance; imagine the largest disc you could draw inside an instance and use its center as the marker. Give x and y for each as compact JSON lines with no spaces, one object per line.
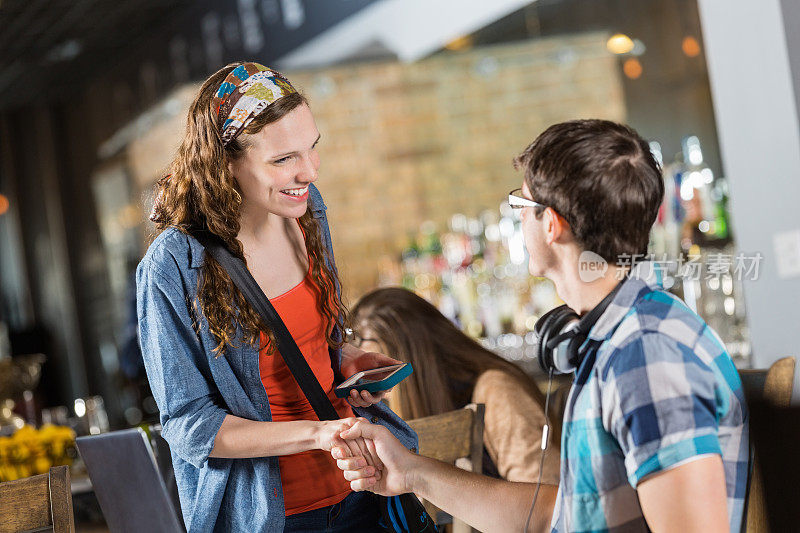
{"x":247,"y":91}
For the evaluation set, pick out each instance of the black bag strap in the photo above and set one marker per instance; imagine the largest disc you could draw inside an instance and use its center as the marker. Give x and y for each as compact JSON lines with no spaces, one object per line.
{"x":243,"y":279}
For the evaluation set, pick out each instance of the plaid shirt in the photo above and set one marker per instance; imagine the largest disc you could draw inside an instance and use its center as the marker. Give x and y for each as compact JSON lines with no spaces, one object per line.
{"x":656,"y":389}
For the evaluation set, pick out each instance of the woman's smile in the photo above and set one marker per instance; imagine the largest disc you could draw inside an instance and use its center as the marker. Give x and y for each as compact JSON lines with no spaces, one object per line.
{"x":298,"y":195}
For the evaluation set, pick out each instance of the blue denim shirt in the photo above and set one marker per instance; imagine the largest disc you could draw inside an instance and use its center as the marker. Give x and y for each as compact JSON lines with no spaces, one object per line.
{"x":194,"y":391}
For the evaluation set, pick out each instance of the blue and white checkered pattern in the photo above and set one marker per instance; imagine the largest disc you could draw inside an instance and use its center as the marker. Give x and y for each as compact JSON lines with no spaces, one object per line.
{"x":655,"y":389}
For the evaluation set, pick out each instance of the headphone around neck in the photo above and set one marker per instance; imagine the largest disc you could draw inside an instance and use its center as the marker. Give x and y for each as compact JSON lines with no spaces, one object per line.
{"x":561,"y":332}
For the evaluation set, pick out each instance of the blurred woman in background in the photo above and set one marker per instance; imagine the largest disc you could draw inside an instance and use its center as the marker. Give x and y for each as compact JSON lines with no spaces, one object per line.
{"x":452,"y":370}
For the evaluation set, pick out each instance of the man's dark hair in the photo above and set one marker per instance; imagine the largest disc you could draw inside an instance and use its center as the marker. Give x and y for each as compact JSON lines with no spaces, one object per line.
{"x":601,"y":177}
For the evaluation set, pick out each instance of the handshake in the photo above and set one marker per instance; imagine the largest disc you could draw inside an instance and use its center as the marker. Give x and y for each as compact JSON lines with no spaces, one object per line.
{"x":370,"y":457}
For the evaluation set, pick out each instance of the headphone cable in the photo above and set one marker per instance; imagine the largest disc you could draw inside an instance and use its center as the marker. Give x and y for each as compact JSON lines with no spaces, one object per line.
{"x":545,"y":439}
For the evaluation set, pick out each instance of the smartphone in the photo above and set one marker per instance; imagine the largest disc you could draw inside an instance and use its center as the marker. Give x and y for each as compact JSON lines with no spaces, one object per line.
{"x":374,"y":380}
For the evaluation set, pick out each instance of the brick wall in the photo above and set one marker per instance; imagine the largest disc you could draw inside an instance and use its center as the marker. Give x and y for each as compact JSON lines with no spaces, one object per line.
{"x":405,"y":143}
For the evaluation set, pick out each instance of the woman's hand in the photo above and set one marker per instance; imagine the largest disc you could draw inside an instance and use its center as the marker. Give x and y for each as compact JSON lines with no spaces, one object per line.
{"x":356,"y":360}
{"x":358,"y":450}
{"x":327,"y":433}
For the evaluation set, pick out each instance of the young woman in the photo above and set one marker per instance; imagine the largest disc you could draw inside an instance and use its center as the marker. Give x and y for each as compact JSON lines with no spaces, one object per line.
{"x":248,"y":451}
{"x":452,"y":370}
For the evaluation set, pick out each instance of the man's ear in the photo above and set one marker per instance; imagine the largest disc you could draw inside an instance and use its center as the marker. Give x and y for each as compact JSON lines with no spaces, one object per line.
{"x":553,"y":225}
{"x":556,"y":227}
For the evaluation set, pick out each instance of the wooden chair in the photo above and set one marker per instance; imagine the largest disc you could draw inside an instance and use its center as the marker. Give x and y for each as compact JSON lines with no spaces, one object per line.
{"x":456,"y":438}
{"x":774,"y":385}
{"x":40,"y":503}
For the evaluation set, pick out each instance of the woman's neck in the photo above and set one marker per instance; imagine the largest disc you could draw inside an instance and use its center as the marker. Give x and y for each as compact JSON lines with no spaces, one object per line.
{"x":257,"y":225}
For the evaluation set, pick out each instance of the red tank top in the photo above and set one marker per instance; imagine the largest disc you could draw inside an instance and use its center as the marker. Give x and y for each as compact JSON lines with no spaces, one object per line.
{"x":310,"y":479}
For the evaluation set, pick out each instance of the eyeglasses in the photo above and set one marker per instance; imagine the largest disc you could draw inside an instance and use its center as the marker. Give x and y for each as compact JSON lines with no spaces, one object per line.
{"x":517,"y":201}
{"x":352,"y":337}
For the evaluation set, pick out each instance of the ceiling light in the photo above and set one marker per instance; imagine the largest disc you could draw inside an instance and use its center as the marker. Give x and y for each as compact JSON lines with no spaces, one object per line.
{"x":690,"y":46}
{"x":620,"y":44}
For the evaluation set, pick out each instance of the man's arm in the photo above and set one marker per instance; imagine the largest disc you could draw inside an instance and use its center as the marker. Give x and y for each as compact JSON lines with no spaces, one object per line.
{"x":484,"y":503}
{"x":688,"y":498}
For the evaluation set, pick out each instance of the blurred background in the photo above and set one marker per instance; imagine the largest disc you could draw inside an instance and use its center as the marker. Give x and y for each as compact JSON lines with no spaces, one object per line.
{"x":422,"y":106}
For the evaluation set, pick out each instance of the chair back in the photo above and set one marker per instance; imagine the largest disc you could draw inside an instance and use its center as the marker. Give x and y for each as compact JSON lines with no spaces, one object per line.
{"x":774,"y":385}
{"x":37,"y":503}
{"x":455,"y":437}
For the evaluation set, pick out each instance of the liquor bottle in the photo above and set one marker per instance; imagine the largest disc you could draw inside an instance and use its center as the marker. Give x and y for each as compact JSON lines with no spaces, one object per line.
{"x":720,"y":196}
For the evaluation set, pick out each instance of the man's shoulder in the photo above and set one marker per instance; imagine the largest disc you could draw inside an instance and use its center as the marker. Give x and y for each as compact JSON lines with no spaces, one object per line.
{"x":659,"y":316}
{"x":660,"y":329}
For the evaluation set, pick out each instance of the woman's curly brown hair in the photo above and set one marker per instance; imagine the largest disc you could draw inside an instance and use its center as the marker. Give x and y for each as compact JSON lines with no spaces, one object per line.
{"x":200,"y":193}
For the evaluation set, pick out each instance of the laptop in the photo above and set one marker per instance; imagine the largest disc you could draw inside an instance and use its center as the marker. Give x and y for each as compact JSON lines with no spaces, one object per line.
{"x":127,"y":482}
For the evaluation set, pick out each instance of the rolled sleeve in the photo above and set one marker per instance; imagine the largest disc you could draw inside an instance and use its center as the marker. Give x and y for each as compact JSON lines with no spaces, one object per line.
{"x":660,"y":402}
{"x":190,"y":405}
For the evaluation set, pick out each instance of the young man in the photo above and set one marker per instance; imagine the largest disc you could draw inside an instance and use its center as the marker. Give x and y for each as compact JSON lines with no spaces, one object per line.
{"x":655,"y":428}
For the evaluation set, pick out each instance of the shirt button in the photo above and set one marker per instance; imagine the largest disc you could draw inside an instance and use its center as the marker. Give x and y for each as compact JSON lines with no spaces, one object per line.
{"x":374,"y":419}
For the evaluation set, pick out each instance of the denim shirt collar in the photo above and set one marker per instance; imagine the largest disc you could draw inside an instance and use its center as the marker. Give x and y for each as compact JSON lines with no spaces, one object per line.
{"x":315,"y":204}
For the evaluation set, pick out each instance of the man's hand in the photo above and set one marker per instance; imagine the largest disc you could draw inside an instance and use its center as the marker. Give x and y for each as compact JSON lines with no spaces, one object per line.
{"x":486,"y":504}
{"x":355,"y":360}
{"x":358,"y":451}
{"x":396,"y":466}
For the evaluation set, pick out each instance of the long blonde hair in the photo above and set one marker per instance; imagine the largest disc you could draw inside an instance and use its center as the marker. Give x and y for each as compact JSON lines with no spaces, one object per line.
{"x":200,"y":193}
